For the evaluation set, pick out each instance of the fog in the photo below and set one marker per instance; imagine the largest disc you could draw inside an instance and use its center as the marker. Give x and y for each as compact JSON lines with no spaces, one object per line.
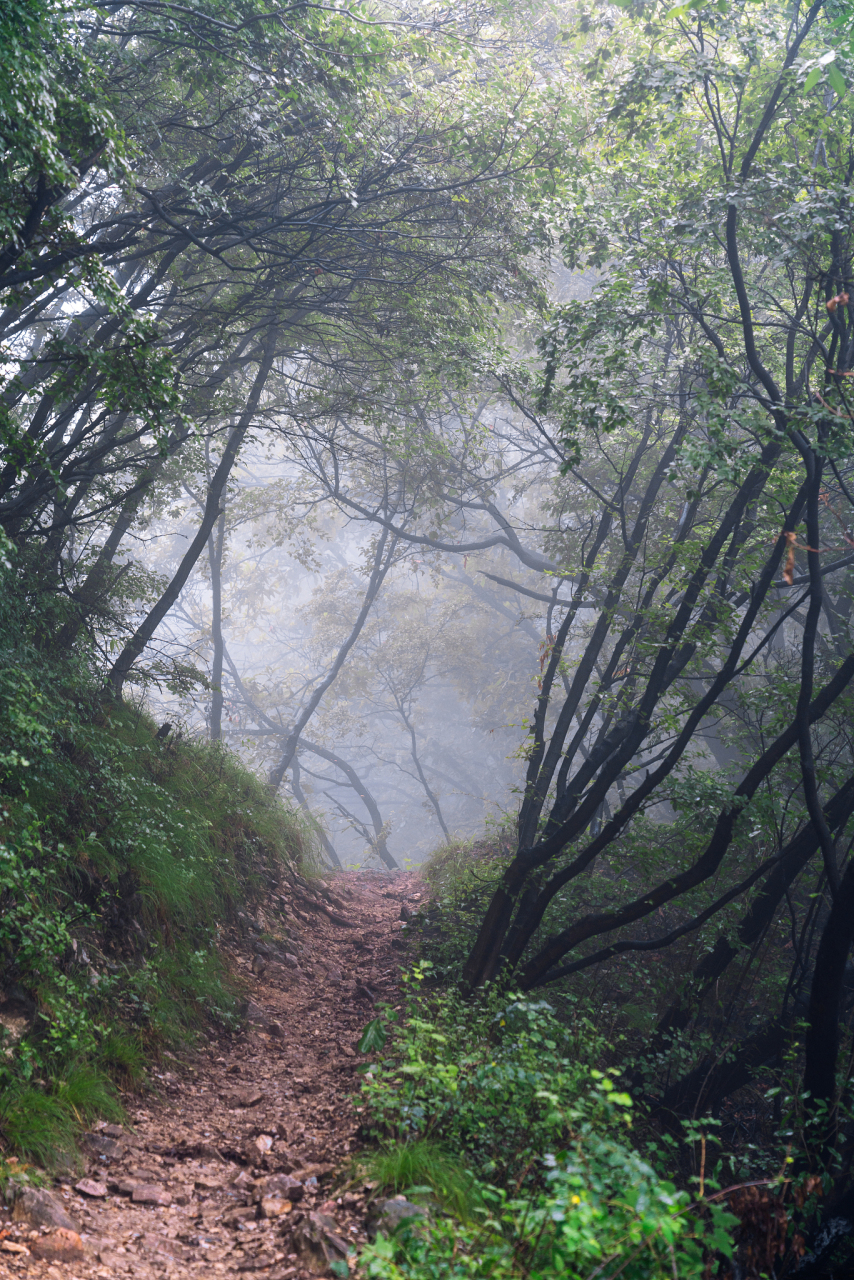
{"x":430,"y":705}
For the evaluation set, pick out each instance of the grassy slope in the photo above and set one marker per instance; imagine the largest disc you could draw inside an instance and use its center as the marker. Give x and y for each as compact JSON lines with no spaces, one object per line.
{"x":120,"y":856}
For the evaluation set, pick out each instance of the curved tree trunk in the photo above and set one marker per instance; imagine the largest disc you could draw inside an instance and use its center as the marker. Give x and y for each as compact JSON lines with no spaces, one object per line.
{"x":121,"y":667}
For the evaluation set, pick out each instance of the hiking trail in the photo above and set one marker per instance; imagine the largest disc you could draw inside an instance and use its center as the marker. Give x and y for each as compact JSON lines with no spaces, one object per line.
{"x":235,"y":1159}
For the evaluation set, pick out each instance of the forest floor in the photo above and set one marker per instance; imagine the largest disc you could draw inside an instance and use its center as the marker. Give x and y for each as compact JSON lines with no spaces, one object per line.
{"x":238,"y":1159}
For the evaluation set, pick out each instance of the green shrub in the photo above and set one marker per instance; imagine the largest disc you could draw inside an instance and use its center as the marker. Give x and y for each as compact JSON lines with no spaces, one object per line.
{"x":604,"y":1213}
{"x":502,"y":1088}
{"x":490,"y":1080}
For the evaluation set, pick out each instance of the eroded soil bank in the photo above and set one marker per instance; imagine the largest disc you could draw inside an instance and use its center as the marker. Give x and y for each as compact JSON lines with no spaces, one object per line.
{"x":239,"y":1163}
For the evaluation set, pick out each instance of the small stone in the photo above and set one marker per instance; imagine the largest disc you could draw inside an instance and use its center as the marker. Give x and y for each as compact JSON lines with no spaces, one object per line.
{"x":161,"y":1244}
{"x":151,"y":1195}
{"x":113,"y":1131}
{"x":89,"y":1187}
{"x":115,"y":1261}
{"x":60,"y":1245}
{"x":41,"y":1208}
{"x":254,"y":1014}
{"x":102,"y":1145}
{"x":311,"y":1171}
{"x":242,"y":1180}
{"x":346,"y":1050}
{"x":389,"y":1214}
{"x":122,"y":1186}
{"x":317,"y":1243}
{"x":283,"y":1186}
{"x":276,"y":1030}
{"x":289,"y":961}
{"x":205,"y":1182}
{"x":251,"y":1097}
{"x":275,"y":1207}
{"x":11,"y":1246}
{"x":260,"y":1263}
{"x":261,"y":1145}
{"x":240,"y":1214}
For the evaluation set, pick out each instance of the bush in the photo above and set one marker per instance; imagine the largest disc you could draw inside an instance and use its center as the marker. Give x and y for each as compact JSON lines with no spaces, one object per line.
{"x":490,"y":1080}
{"x":500,"y":1087}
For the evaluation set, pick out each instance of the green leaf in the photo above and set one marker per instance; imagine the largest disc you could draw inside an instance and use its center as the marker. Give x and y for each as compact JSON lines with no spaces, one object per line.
{"x":812,"y":79}
{"x":837,"y":79}
{"x":373,"y":1037}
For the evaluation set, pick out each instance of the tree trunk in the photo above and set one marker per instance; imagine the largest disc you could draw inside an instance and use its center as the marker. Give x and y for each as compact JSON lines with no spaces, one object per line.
{"x":120,"y":669}
{"x":364,"y":795}
{"x":822,"y":1038}
{"x":328,"y":847}
{"x":215,"y":551}
{"x":793,"y":859}
{"x":382,"y":564}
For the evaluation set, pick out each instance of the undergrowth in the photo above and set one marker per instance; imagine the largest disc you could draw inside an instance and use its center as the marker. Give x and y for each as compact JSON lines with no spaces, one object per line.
{"x":493,"y":1113}
{"x":122,"y":853}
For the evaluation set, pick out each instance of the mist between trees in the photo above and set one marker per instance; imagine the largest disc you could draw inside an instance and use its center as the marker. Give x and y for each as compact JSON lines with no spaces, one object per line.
{"x":449,"y":410}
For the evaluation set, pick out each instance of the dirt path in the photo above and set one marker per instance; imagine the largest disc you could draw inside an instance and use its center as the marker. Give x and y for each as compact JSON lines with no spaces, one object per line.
{"x":255,"y":1124}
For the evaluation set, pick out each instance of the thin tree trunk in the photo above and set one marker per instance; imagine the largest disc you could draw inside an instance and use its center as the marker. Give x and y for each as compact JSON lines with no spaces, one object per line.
{"x":325,"y":754}
{"x":328,"y":847}
{"x":822,"y":1038}
{"x":428,"y":790}
{"x":215,"y":551}
{"x":120,"y":669}
{"x":364,"y":795}
{"x":382,"y":564}
{"x":756,"y":920}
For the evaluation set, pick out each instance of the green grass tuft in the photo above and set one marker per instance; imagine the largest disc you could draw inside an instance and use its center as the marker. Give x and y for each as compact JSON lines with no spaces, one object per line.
{"x":122,"y":1056}
{"x":413,"y":1166}
{"x":39,"y":1126}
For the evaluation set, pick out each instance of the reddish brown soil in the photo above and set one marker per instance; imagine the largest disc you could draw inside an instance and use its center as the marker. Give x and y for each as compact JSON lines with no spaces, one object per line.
{"x":291,"y":1078}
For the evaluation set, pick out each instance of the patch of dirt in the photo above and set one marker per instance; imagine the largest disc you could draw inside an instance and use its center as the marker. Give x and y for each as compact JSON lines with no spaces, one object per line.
{"x":237,"y":1162}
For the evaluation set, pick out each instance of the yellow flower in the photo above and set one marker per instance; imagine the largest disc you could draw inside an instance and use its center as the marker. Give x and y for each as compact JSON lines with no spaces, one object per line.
{"x":576,"y":1200}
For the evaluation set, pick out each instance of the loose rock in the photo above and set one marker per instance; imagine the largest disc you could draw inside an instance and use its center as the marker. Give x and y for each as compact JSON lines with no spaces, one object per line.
{"x":12,"y":1246}
{"x":243,"y":1213}
{"x":275,"y":1207}
{"x":261,"y":1145}
{"x":250,"y":1097}
{"x":89,"y":1187}
{"x":41,"y":1208}
{"x":60,"y":1245}
{"x":151,"y":1195}
{"x":389,"y":1214}
{"x":317,"y":1243}
{"x":284,"y":1186}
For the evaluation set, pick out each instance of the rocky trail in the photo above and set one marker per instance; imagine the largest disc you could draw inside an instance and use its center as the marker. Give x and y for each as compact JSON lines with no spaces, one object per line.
{"x":237,"y":1159}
